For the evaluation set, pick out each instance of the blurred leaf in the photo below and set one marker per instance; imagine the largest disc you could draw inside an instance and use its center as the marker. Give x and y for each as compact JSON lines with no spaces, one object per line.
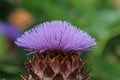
{"x":103,"y":69}
{"x":3,"y":46}
{"x":102,"y":28}
{"x":9,"y":69}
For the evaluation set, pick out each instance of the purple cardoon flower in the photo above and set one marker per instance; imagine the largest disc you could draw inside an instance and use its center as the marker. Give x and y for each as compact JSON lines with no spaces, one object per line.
{"x":56,"y":35}
{"x":9,"y":31}
{"x":56,"y":44}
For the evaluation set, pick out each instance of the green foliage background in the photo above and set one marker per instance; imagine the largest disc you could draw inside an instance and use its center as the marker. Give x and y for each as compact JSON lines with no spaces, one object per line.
{"x":100,"y":18}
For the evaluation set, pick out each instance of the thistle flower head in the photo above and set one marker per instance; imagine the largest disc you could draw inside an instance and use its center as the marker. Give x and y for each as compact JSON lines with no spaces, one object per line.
{"x":51,"y":40}
{"x":56,"y":35}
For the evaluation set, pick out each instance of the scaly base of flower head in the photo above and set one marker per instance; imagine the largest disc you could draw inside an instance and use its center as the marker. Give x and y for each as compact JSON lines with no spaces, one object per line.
{"x":55,"y":65}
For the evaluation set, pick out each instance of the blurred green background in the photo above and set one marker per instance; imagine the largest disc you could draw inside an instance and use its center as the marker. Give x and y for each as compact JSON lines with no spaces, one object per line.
{"x":100,"y":18}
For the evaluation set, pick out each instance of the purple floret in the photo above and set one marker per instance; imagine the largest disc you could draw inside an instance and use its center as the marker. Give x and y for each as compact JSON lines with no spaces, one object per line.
{"x":56,"y":35}
{"x":9,"y":31}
